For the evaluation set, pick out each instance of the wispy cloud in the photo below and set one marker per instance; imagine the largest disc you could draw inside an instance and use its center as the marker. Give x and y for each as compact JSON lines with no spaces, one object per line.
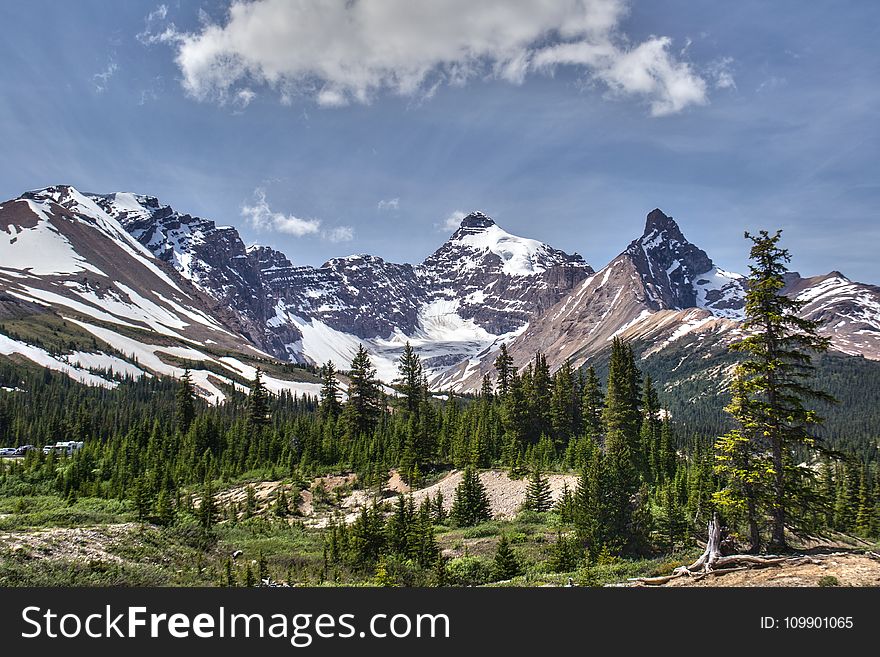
{"x":339,"y":234}
{"x":102,"y":79}
{"x":156,"y":30}
{"x":721,"y":73}
{"x":340,"y":52}
{"x":243,"y":98}
{"x":390,"y":204}
{"x":263,"y":218}
{"x":453,"y":221}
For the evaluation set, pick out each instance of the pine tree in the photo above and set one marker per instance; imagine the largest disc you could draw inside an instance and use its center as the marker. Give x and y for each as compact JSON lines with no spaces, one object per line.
{"x":592,"y":405}
{"x":142,"y":502}
{"x":258,"y":403}
{"x":471,"y":503}
{"x":486,"y":388}
{"x":250,"y":504}
{"x":249,"y":579}
{"x":506,"y":565}
{"x":186,"y":402}
{"x":565,"y":407}
{"x":589,"y":507}
{"x":672,"y":527}
{"x":207,"y":508}
{"x":620,"y":472}
{"x":164,"y":509}
{"x":538,"y":493}
{"x":538,"y":395}
{"x":515,"y":415}
{"x":409,"y":368}
{"x":865,"y":513}
{"x":504,"y":365}
{"x":774,"y":380}
{"x":565,"y":506}
{"x":742,"y":463}
{"x":282,"y":506}
{"x":363,"y":407}
{"x":439,"y":511}
{"x":649,"y":433}
{"x":329,"y":404}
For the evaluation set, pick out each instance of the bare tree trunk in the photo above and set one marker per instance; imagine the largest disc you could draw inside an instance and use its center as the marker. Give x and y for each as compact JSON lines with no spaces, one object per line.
{"x":713,"y":548}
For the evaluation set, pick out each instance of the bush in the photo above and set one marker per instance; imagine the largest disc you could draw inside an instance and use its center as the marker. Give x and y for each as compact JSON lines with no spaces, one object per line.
{"x":468,"y":571}
{"x":829,"y":580}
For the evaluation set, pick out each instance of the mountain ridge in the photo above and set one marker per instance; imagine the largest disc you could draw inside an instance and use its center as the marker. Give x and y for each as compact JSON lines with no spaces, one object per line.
{"x":482,"y":287}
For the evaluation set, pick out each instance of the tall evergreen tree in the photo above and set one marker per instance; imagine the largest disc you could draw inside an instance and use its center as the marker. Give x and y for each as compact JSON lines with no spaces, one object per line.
{"x":258,"y":403}
{"x":592,"y":405}
{"x":742,"y":462}
{"x":409,"y":368}
{"x":504,"y":366}
{"x":363,"y":407}
{"x":505,"y":565}
{"x":538,"y":492}
{"x":470,"y":505}
{"x":186,"y":402}
{"x":774,"y":377}
{"x":329,"y":404}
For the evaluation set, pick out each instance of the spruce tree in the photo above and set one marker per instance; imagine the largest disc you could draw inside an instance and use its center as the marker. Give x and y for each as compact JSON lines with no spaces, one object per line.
{"x":409,"y":369}
{"x":186,"y":402}
{"x":258,"y":403}
{"x":742,"y":463}
{"x":471,"y":503}
{"x":363,"y":407}
{"x":592,"y":405}
{"x":329,"y":400}
{"x":504,"y":366}
{"x":774,"y":378}
{"x":538,"y":493}
{"x":505,"y":565}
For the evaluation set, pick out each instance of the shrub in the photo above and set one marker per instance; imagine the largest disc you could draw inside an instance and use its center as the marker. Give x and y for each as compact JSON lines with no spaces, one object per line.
{"x":468,"y":571}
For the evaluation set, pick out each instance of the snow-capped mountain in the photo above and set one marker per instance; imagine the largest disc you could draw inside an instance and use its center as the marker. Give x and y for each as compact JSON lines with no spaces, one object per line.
{"x":662,"y":289}
{"x":483,"y":283}
{"x":70,"y":269}
{"x":160,"y":288}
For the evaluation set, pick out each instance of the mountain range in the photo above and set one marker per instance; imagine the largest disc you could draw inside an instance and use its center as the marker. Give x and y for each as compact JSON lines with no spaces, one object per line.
{"x":103,"y":286}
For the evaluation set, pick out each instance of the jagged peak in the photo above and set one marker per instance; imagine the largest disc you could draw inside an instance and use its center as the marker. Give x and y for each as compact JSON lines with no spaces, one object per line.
{"x":658,"y":222}
{"x":477,"y":219}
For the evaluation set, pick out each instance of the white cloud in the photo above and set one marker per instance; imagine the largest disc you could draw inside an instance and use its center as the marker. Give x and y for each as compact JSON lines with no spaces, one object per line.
{"x":721,"y":74}
{"x":261,"y":217}
{"x":338,"y":52}
{"x":339,"y":234}
{"x":102,"y":79}
{"x":390,"y":204}
{"x":453,"y":221}
{"x":244,"y":97}
{"x":155,"y":31}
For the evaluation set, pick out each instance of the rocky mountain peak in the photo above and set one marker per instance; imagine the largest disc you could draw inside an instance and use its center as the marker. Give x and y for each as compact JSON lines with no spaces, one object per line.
{"x":477,"y":219}
{"x":660,"y":222}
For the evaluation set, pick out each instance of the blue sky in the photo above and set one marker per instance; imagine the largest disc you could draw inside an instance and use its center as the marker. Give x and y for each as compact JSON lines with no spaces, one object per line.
{"x":363,"y":127}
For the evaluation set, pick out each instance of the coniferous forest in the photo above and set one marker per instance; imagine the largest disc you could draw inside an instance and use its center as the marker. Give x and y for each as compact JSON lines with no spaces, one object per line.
{"x":644,"y":476}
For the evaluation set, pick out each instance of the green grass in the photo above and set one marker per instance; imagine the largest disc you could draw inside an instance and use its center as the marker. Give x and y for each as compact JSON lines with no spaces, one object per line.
{"x":27,"y":512}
